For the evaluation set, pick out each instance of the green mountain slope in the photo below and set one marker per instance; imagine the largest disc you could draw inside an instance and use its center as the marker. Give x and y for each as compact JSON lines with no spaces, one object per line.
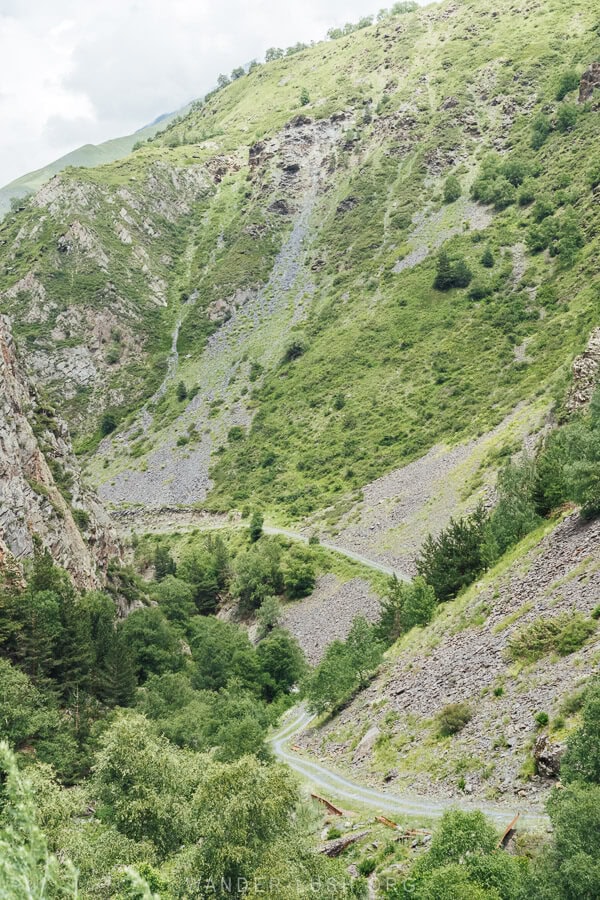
{"x":282,"y":241}
{"x":87,"y":156}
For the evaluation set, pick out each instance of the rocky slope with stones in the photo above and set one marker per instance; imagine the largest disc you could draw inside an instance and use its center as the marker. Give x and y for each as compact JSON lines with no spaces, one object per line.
{"x":389,"y":733}
{"x":42,"y":498}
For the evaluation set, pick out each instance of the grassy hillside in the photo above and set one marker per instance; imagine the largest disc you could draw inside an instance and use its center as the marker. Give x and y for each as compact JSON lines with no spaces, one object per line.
{"x":292,"y":246}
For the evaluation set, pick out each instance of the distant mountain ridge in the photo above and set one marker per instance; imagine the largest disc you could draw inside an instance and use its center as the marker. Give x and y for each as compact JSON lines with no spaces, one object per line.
{"x":86,"y":156}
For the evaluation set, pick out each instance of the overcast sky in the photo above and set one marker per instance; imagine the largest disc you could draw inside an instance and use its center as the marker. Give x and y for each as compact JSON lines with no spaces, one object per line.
{"x":83,"y":71}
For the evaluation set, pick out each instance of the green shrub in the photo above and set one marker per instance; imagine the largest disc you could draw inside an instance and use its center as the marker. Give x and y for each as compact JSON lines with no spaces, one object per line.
{"x":299,"y":574}
{"x":255,"y":528}
{"x":569,"y":81}
{"x":451,"y":272}
{"x":593,"y":174}
{"x":82,"y":519}
{"x":540,"y":129}
{"x":581,"y":762}
{"x":541,"y":719}
{"x":295,"y":349}
{"x":563,"y":634}
{"x":567,"y":117}
{"x":452,"y":189}
{"x":108,"y":423}
{"x":487,"y":258}
{"x":367,"y":866}
{"x":453,"y":718}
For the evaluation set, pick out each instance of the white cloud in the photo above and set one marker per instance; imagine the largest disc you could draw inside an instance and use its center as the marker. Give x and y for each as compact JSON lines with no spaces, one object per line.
{"x":76,"y":72}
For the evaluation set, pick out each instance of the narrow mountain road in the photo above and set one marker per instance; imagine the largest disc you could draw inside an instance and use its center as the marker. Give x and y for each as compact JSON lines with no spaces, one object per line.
{"x":357,"y":557}
{"x":164,"y":521}
{"x":339,"y":788}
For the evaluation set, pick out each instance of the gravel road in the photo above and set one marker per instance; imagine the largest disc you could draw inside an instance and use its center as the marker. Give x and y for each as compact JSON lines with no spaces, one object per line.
{"x":339,"y":788}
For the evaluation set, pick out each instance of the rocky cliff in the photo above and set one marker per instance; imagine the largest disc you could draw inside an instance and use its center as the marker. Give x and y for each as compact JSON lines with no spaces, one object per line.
{"x":41,"y":493}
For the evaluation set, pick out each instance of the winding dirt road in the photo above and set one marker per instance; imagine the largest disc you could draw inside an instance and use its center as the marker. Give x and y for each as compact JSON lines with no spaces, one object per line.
{"x":326,"y":780}
{"x":338,"y":787}
{"x":166,"y":520}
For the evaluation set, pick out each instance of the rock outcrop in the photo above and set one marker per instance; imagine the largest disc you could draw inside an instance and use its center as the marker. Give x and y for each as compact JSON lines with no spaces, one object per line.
{"x":585,"y":373}
{"x":547,"y":757}
{"x":590,"y":80}
{"x":41,"y":494}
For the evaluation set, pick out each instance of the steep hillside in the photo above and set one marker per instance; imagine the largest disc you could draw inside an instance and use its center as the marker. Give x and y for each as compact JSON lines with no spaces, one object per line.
{"x":41,"y":493}
{"x":250,"y":297}
{"x":88,"y":156}
{"x":474,"y":653}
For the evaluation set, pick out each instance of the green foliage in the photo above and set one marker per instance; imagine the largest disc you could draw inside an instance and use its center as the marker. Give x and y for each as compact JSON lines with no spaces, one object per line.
{"x":593,"y":174}
{"x":296,"y":348}
{"x":487,"y":259}
{"x":499,"y":179}
{"x":452,"y":189}
{"x":569,"y":81}
{"x":255,"y":528}
{"x":465,"y":863}
{"x":569,"y":867}
{"x":205,"y":571}
{"x":515,"y":513}
{"x":146,"y":784}
{"x":456,"y":557}
{"x":164,"y":564}
{"x":176,"y":600}
{"x":540,"y":130}
{"x":282,"y":663}
{"x":581,"y":762}
{"x":268,"y":615}
{"x":152,"y":641}
{"x":567,"y":117}
{"x":181,"y":391}
{"x":257,"y":575}
{"x":562,"y":634}
{"x":242,"y":811}
{"x":304,"y":97}
{"x":453,"y":718}
{"x":222,"y":655}
{"x":451,"y":272}
{"x":345,"y":668}
{"x":27,"y":868}
{"x":108,"y":423}
{"x":299,"y":574}
{"x":404,"y":606}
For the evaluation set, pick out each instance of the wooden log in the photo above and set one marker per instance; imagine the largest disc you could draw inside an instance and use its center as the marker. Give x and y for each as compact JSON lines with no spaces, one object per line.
{"x":509,"y":832}
{"x":387,"y":822}
{"x":332,"y":809}
{"x":337,"y":846}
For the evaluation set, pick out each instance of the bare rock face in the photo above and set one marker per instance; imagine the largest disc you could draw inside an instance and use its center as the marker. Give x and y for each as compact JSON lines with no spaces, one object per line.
{"x":585,"y":373}
{"x":590,"y":80}
{"x":547,"y":757}
{"x":367,"y":743}
{"x":41,"y":494}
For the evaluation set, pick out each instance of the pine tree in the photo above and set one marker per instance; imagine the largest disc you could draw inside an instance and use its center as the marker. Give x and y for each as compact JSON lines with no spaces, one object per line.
{"x":117,"y":681}
{"x":256,"y":526}
{"x":487,"y":259}
{"x":443,"y":278}
{"x":164,"y":564}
